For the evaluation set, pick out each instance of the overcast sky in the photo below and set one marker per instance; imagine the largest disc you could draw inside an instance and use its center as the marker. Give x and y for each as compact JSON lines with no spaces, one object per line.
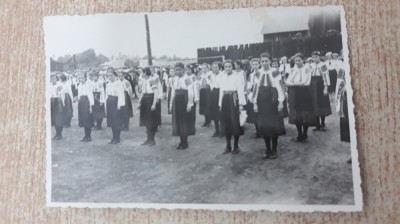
{"x":179,"y":33}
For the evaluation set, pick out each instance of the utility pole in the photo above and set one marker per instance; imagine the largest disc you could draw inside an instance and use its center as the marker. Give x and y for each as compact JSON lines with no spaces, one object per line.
{"x":149,"y":57}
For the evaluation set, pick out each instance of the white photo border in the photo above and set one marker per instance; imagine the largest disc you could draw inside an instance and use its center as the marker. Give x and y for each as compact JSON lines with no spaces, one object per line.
{"x":358,"y":197}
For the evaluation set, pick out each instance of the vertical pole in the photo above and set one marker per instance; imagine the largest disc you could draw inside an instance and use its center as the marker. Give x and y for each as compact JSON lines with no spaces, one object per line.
{"x":149,"y":57}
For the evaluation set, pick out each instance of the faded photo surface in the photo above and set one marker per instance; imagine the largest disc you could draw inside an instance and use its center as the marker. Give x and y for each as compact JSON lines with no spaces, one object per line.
{"x":242,"y":109}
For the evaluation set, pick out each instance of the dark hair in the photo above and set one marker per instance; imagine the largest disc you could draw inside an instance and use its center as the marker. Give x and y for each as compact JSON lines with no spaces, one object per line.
{"x":301,"y":55}
{"x":180,"y":65}
{"x":218,"y":64}
{"x":147,"y":71}
{"x":63,"y":77}
{"x":265,"y":55}
{"x":316,"y":53}
{"x":230,"y":62}
{"x":275,"y":60}
{"x":239,"y":63}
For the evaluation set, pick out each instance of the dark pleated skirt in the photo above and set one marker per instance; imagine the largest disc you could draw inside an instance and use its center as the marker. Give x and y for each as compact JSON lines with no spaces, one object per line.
{"x":333,"y":79}
{"x":98,"y":110}
{"x":205,"y":101}
{"x":214,"y":109}
{"x":148,"y":118}
{"x":113,"y":114}
{"x":301,"y":107}
{"x":269,"y":121}
{"x":322,"y":105}
{"x":169,"y":100}
{"x":251,"y":115}
{"x":229,"y":116}
{"x":183,"y":123}
{"x":74,"y":90}
{"x":57,"y":114}
{"x":68,"y":107}
{"x":127,"y":111}
{"x":344,"y":123}
{"x":85,"y":118}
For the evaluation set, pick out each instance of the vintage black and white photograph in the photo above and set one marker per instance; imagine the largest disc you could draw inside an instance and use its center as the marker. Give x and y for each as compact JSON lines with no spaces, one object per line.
{"x":239,"y":109}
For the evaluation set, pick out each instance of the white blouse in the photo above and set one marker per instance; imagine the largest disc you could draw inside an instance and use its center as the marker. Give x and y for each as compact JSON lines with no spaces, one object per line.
{"x":232,"y":82}
{"x":116,"y":89}
{"x":99,"y":87}
{"x":150,"y":84}
{"x":86,"y":90}
{"x":184,"y":83}
{"x":285,"y":68}
{"x":215,"y":80}
{"x":56,"y":91}
{"x":205,"y":80}
{"x":270,"y":77}
{"x":299,"y":76}
{"x":321,"y":69}
{"x":127,"y":86}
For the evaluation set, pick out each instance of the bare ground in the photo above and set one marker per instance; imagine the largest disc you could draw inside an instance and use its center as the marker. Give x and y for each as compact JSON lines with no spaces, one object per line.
{"x":310,"y":173}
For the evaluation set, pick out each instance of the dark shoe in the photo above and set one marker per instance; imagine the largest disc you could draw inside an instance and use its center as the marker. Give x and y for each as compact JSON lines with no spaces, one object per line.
{"x":317,"y":129}
{"x":151,"y":143}
{"x":273,"y":156}
{"x":59,"y":137}
{"x":228,"y":149}
{"x":83,"y":139}
{"x":184,"y":146}
{"x":117,"y":141}
{"x":235,"y":150}
{"x":88,"y":139}
{"x":323,"y":128}
{"x":145,"y":142}
{"x":266,"y":155}
{"x":257,"y":135}
{"x":304,"y":139}
{"x":111,"y":142}
{"x":216,"y":134}
{"x":55,"y":137}
{"x":298,"y":139}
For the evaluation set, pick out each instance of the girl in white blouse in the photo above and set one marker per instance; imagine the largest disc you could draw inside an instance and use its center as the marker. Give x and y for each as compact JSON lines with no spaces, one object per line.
{"x":268,"y":101}
{"x":99,"y":96}
{"x":301,"y":107}
{"x":205,"y":94}
{"x":85,"y":103}
{"x":320,"y":83}
{"x":68,"y":107}
{"x":115,"y":100}
{"x":127,"y":111}
{"x":57,"y":106}
{"x":215,"y":82}
{"x":149,"y":105}
{"x":183,"y":124}
{"x":251,"y":87}
{"x":231,"y":102}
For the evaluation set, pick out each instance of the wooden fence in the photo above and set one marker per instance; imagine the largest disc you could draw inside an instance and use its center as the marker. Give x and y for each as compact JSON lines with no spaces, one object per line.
{"x":277,"y":48}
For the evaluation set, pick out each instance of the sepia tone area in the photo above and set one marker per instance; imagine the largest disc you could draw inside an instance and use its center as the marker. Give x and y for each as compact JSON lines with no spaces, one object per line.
{"x":373,"y":29}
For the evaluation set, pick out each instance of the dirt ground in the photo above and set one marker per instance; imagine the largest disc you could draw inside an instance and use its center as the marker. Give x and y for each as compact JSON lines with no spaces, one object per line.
{"x":304,"y":173}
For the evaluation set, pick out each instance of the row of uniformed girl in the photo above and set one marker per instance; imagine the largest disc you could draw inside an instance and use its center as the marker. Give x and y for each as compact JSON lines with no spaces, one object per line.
{"x":306,"y":88}
{"x":94,"y":102}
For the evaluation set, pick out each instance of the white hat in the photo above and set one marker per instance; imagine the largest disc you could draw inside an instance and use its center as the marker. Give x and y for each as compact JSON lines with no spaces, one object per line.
{"x":328,"y":54}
